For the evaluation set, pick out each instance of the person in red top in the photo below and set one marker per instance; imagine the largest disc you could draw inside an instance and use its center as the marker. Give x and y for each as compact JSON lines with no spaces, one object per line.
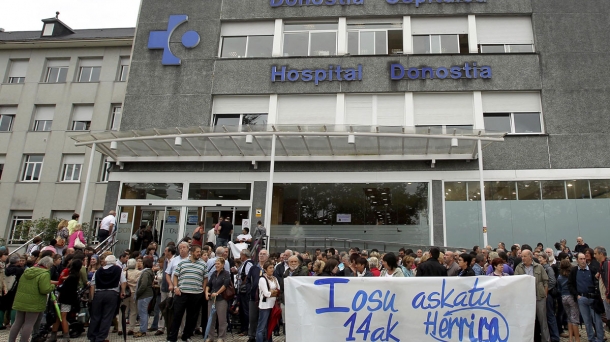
{"x":374,"y":265}
{"x":201,"y":230}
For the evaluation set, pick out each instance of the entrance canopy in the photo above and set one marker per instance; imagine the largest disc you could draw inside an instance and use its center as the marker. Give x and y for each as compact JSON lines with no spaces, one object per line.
{"x":293,"y":143}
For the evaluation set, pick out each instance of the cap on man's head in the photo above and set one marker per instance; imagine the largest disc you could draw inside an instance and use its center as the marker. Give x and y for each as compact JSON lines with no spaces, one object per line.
{"x":111,"y":259}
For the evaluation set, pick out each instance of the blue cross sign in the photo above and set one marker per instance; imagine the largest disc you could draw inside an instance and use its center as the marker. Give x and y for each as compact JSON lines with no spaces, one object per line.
{"x":160,"y":39}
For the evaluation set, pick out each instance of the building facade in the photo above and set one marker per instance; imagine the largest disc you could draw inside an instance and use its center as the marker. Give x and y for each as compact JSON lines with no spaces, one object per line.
{"x":57,"y":83}
{"x":364,"y":119}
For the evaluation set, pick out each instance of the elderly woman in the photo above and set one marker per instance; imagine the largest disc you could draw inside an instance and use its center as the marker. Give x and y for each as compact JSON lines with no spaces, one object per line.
{"x":318,"y":267}
{"x":31,"y":299}
{"x":144,"y":294}
{"x":390,"y":265}
{"x":218,"y":283}
{"x":407,"y":262}
{"x":374,"y":265}
{"x":498,"y":267}
{"x":132,"y":275}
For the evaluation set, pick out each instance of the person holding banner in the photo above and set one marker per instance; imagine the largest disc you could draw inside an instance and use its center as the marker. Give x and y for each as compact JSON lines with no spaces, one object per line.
{"x":269,"y":290}
{"x":464,"y":261}
{"x":529,"y":267}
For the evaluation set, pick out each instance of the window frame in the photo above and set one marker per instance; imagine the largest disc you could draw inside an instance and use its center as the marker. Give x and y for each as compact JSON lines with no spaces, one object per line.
{"x":309,"y":32}
{"x":457,"y":37}
{"x":48,"y":74}
{"x":123,"y":73}
{"x":71,"y":168}
{"x":20,"y":80}
{"x":512,"y":122}
{"x":44,"y":127}
{"x":105,"y":171}
{"x":86,"y":128}
{"x":10,"y":126}
{"x":113,"y":117}
{"x":506,"y":48}
{"x":246,"y":55}
{"x":241,"y":118}
{"x":27,"y":163}
{"x":16,"y":219}
{"x":80,"y":74}
{"x":387,"y":36}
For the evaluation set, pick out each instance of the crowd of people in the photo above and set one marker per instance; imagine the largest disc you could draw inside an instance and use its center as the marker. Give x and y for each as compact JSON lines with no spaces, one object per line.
{"x":202,"y":282}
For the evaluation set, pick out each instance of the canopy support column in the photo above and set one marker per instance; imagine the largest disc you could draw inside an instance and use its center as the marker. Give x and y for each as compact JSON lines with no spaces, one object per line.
{"x":270,"y":187}
{"x":87,"y":181}
{"x":482,"y":187}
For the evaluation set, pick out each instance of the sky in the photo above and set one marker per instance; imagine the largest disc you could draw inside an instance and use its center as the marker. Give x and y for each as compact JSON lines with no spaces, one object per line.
{"x":25,"y":15}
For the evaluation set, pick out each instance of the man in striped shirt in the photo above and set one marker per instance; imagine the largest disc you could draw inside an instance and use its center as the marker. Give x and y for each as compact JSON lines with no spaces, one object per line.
{"x":188,"y":288}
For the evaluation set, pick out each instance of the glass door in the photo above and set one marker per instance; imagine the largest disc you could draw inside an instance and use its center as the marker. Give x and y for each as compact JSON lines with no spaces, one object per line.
{"x":236,"y":215}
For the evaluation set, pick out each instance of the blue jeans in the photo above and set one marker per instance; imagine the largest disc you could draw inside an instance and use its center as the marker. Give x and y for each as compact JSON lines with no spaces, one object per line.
{"x":155,"y":323}
{"x":143,"y":313}
{"x":591,"y":318}
{"x":261,"y":328}
{"x":221,"y":242}
{"x":551,"y":319}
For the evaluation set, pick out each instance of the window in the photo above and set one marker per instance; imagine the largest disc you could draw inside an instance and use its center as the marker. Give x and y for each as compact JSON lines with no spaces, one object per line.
{"x":441,"y":109}
{"x":318,"y":109}
{"x":72,"y":167}
{"x":18,"y":235}
{"x":57,"y":71}
{"x":105,"y":172}
{"x":505,"y":34}
{"x":32,"y":168}
{"x":62,"y":215}
{"x":386,"y":109}
{"x":115,"y":122}
{"x":528,"y":190}
{"x":124,"y":69}
{"x":81,"y":117}
{"x":374,"y":38}
{"x":18,"y":70}
{"x":512,"y":112}
{"x":517,"y":123}
{"x":2,"y":161}
{"x":253,"y":39}
{"x":240,"y":110}
{"x":48,"y":29}
{"x":90,"y":70}
{"x":310,"y":39}
{"x":440,"y":35}
{"x":160,"y":191}
{"x":98,"y":216}
{"x":219,"y":191}
{"x":43,"y":118}
{"x":7,"y":117}
{"x":239,"y":120}
{"x":444,"y":43}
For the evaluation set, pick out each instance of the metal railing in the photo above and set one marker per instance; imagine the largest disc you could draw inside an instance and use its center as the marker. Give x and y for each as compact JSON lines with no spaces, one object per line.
{"x":280,"y":243}
{"x":108,"y":243}
{"x":24,"y":245}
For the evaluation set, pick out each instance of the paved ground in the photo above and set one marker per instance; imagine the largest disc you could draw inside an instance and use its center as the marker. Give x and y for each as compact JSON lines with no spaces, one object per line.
{"x":230,"y":338}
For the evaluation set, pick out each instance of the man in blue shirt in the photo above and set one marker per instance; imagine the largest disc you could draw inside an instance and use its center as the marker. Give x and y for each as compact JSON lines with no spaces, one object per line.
{"x":583,"y":285}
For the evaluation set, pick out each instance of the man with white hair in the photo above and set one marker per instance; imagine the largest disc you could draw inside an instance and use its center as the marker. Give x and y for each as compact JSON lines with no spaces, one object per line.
{"x":107,"y":284}
{"x":549,"y":252}
{"x":529,"y":267}
{"x":283,"y":265}
{"x":220,"y":252}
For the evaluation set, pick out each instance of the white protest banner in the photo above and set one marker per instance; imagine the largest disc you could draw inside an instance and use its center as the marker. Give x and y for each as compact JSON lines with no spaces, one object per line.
{"x":476,"y":309}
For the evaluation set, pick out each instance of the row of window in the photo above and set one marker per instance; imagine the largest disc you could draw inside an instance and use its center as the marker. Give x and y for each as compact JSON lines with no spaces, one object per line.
{"x":197,"y":191}
{"x":426,"y":35}
{"x":42,"y":121}
{"x":528,"y":190}
{"x":56,"y":70}
{"x":441,"y":113}
{"x":72,"y":165}
{"x":21,"y":217}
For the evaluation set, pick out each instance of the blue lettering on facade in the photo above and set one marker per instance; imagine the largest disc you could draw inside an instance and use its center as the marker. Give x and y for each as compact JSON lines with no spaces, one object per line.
{"x":333,"y":73}
{"x":468,"y":71}
{"x":291,"y":3}
{"x":417,"y":3}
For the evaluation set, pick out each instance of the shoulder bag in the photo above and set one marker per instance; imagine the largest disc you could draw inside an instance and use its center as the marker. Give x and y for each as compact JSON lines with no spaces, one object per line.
{"x":229,"y":293}
{"x":127,"y":288}
{"x":78,"y":243}
{"x":197,"y":235}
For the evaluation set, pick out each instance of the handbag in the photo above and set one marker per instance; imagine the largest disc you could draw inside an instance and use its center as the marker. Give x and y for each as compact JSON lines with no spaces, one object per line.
{"x":229,"y":293}
{"x":78,"y":243}
{"x":197,"y":235}
{"x":127,"y":288}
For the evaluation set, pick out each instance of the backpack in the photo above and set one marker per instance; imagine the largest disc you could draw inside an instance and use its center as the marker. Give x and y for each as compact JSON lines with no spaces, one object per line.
{"x":243,"y":284}
{"x":64,"y":233}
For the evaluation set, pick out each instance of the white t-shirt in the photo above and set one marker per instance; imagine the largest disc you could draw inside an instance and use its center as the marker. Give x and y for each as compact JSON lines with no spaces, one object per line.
{"x":388,"y":275}
{"x":173,"y":264}
{"x":244,"y":237}
{"x":105,"y":225}
{"x":211,"y":236}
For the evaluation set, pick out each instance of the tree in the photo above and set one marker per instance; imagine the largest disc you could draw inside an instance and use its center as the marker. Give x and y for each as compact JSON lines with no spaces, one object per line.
{"x":47,"y":226}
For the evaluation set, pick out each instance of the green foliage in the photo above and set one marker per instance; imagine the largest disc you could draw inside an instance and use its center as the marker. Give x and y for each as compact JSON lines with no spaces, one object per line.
{"x":47,"y":226}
